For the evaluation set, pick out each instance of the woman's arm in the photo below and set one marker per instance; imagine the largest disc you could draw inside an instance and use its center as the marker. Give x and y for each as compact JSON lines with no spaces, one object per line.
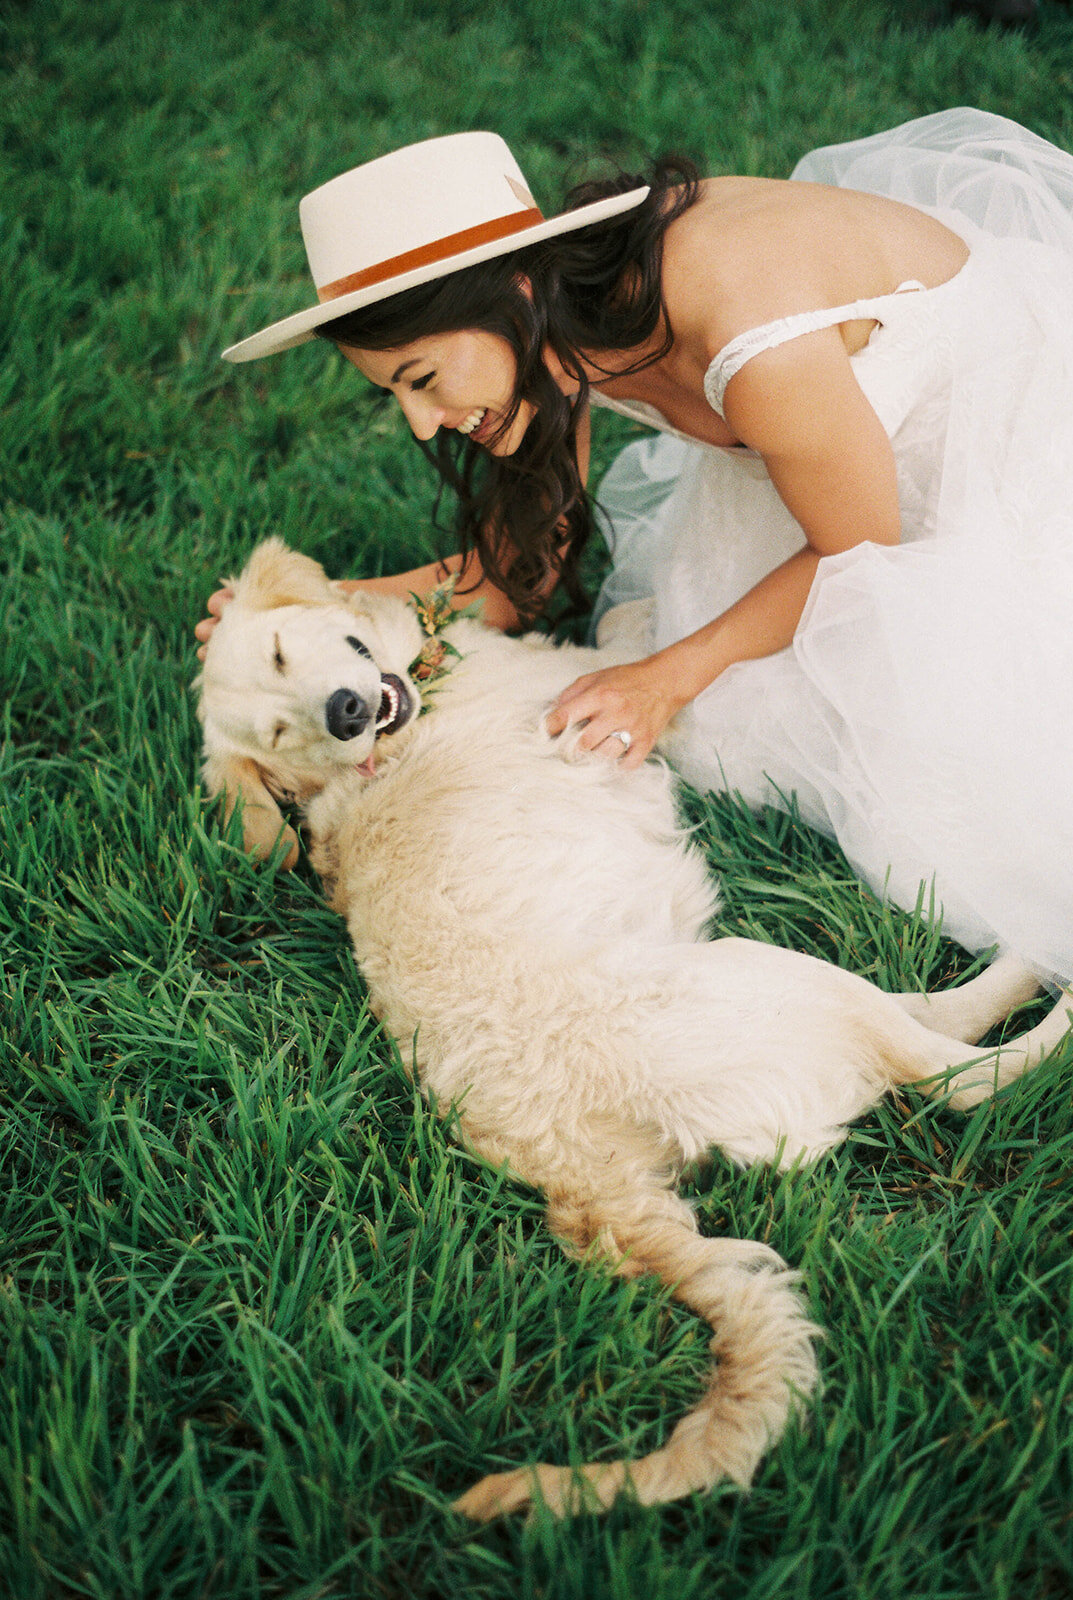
{"x":498,"y":611}
{"x":830,"y":459}
{"x":473,"y":585}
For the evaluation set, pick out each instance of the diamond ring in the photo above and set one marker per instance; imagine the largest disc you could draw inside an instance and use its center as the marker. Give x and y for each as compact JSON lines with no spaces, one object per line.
{"x":627,"y":738}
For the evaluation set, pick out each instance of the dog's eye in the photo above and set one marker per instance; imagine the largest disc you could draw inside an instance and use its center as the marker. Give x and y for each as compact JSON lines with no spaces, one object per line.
{"x":277,"y":733}
{"x":277,"y":655}
{"x":359,"y":647}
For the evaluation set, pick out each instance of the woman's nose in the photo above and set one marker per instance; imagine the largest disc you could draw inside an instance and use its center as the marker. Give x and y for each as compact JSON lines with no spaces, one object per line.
{"x":423,"y":416}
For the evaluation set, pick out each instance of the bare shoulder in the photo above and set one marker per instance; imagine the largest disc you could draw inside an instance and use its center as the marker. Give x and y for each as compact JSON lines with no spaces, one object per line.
{"x":752,"y":250}
{"x":712,"y":255}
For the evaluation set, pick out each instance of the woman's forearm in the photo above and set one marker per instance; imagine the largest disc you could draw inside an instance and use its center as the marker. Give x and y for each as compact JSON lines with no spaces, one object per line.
{"x":639,"y":698}
{"x":498,"y":611}
{"x":762,"y":622}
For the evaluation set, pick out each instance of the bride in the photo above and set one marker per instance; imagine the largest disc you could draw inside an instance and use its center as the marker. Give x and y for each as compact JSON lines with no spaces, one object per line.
{"x":850,"y":539}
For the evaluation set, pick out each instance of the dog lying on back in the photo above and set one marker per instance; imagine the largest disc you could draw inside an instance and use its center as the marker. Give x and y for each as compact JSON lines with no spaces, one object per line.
{"x":532,"y":927}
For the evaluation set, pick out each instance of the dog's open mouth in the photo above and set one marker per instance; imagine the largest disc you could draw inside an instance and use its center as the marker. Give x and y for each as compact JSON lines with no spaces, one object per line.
{"x":394,"y":704}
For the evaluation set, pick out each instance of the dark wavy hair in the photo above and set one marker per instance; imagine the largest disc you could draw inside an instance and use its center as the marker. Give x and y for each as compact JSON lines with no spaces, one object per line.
{"x":527,"y":516}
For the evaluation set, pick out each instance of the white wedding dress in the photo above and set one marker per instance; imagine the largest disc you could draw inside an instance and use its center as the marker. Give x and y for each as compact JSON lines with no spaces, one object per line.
{"x":923,"y":715}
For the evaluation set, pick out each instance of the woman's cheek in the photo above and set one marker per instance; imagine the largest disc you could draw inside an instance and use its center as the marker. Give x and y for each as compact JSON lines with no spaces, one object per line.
{"x":517,"y":431}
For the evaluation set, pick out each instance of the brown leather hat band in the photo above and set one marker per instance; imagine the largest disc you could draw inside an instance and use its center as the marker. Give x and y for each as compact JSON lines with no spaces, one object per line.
{"x":439,"y":250}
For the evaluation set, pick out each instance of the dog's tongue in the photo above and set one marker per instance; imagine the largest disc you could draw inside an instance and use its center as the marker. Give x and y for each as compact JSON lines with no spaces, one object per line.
{"x":368,"y":766}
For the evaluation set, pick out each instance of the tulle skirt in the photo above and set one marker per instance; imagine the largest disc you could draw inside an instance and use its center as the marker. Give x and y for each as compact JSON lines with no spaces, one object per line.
{"x":923,"y":715}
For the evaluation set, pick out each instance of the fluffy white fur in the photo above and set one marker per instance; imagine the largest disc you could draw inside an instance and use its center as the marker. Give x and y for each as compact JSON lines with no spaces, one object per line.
{"x":532,"y":927}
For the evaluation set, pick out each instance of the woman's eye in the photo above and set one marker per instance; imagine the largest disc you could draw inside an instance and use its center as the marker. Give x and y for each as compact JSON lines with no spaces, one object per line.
{"x":423,"y":383}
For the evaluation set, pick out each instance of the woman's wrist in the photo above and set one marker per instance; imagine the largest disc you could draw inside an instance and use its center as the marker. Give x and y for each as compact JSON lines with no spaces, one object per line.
{"x":684,"y":669}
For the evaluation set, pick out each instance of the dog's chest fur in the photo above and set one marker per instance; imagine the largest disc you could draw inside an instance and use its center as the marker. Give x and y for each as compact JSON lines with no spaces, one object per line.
{"x":477,"y":805}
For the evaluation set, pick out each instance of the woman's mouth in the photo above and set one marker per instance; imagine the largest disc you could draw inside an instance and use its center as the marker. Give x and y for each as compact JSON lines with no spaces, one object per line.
{"x":473,"y":421}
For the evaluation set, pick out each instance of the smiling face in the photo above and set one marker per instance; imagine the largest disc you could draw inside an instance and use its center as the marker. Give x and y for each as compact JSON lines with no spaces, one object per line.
{"x":299,"y":686}
{"x":463,"y":380}
{"x":299,"y":683}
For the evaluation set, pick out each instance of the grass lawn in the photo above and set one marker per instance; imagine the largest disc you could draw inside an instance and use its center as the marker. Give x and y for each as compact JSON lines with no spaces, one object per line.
{"x":260,"y":1318}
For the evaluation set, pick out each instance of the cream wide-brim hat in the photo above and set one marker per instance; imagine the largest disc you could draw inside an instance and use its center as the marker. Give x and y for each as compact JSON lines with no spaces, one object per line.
{"x":411,"y":216}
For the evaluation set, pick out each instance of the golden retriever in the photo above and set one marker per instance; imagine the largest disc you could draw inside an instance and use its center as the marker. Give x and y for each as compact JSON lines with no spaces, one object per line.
{"x":532,"y":926}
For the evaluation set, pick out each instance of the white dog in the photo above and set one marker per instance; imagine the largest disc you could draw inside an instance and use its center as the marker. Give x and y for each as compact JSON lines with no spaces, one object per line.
{"x":533,"y":929}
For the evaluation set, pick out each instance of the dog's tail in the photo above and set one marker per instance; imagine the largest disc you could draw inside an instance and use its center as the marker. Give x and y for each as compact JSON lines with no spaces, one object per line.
{"x":763,"y":1348}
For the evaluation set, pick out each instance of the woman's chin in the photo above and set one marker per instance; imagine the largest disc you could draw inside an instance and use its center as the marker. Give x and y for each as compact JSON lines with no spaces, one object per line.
{"x":500,"y":441}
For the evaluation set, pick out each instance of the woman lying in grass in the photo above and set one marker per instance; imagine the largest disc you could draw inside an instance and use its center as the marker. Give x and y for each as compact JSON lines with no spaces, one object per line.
{"x":853,"y":534}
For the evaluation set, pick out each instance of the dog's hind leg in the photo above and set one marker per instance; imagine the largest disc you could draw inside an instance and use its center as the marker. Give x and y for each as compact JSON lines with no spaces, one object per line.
{"x":967,"y":1012}
{"x":763,"y":1346}
{"x":940,"y":1066}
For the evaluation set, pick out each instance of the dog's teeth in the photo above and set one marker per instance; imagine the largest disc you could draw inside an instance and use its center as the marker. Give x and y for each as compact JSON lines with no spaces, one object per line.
{"x":389,"y":705}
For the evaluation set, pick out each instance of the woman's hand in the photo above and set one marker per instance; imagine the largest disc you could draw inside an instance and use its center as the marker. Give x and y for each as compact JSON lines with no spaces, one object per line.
{"x":216,"y":604}
{"x":638,"y":700}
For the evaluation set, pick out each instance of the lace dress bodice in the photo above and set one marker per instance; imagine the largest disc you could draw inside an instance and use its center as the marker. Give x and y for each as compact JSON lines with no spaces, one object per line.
{"x":770,"y":335}
{"x":883,"y":309}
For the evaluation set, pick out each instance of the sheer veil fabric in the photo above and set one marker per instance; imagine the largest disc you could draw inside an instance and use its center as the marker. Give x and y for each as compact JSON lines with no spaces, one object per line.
{"x":923,"y":715}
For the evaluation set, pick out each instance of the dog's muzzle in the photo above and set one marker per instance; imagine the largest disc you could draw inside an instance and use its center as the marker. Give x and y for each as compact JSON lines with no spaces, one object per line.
{"x":346,"y":714}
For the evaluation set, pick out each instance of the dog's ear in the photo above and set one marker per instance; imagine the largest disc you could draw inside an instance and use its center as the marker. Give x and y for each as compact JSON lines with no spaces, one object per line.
{"x":278,"y":576}
{"x":239,"y":779}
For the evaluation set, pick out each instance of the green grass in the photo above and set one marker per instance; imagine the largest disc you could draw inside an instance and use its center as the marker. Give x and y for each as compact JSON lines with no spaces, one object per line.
{"x":261,"y":1318}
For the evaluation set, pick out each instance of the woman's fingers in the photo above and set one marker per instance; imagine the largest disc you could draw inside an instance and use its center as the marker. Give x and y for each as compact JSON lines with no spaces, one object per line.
{"x":623,"y":747}
{"x":621,"y":712}
{"x":563,"y":712}
{"x":214,"y":606}
{"x":576,"y":704}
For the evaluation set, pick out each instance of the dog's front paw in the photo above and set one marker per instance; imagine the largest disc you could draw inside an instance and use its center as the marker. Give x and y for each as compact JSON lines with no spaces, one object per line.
{"x":264,"y":830}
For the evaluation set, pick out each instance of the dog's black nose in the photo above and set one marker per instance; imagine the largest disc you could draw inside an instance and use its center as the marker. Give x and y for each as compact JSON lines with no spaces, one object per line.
{"x":346,"y":714}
